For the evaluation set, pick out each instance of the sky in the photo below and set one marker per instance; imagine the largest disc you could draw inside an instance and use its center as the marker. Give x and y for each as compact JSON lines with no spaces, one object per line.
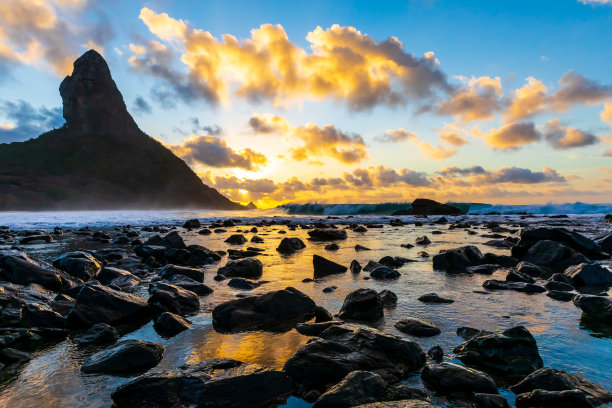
{"x":505,"y":102}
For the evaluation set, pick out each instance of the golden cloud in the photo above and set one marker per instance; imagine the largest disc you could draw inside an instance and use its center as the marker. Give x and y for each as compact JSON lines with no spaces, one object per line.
{"x":561,"y":137}
{"x":479,"y":100}
{"x":344,"y":65}
{"x":606,"y":114}
{"x":511,"y":136}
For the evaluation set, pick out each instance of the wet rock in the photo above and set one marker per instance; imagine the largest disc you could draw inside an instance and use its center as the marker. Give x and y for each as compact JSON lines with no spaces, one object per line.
{"x":417,"y":327}
{"x":422,"y":240}
{"x":371,"y":265}
{"x":394,"y":261}
{"x":362,"y":304}
{"x":355,"y":267}
{"x":280,"y":310}
{"x":99,"y":333}
{"x":598,"y":307}
{"x":290,"y":245}
{"x":530,"y":269}
{"x":243,"y":284}
{"x":204,"y":231}
{"x":324,"y":267}
{"x":389,"y":298}
{"x":126,"y":356}
{"x":99,"y":304}
{"x":514,"y":275}
{"x":249,"y":268}
{"x":560,"y":295}
{"x":339,"y":350}
{"x":170,"y":324}
{"x":332,"y":247}
{"x":553,"y":256}
{"x":360,"y":387}
{"x":552,"y":399}
{"x":329,"y":289}
{"x":458,"y":259}
{"x":38,"y":238}
{"x":327,"y":234}
{"x":187,"y":283}
{"x":449,"y":378}
{"x":550,"y":379}
{"x":434,"y":298}
{"x":314,"y":329}
{"x":570,"y":239}
{"x":467,"y":333}
{"x":494,"y":284}
{"x":192,"y":224}
{"x":322,"y":315}
{"x":361,"y":248}
{"x":170,"y":270}
{"x":436,"y":354}
{"x":409,"y":403}
{"x":558,"y":286}
{"x":171,"y":298}
{"x":489,"y":401}
{"x":236,"y":239}
{"x":484,"y":269}
{"x":589,"y":274}
{"x":126,"y":283}
{"x":17,"y":267}
{"x":78,"y":264}
{"x":423,"y":206}
{"x":384,"y":273}
{"x":108,"y":273}
{"x":10,"y":355}
{"x":211,"y":383}
{"x":511,"y":352}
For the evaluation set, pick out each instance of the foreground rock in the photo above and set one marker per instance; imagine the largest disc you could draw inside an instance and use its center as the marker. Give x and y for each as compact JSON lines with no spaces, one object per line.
{"x":417,"y":327}
{"x":341,"y":349}
{"x":168,"y":271}
{"x":17,"y":267}
{"x":586,"y":274}
{"x":510,"y":352}
{"x":327,"y":234}
{"x":99,"y":333}
{"x":384,"y":273}
{"x":362,"y":304}
{"x":324,"y":267}
{"x":553,"y":257}
{"x":597,"y":307}
{"x":126,"y":356}
{"x":434,"y":298}
{"x":278,"y":310}
{"x":570,"y":239}
{"x":249,"y":268}
{"x":458,"y":259}
{"x":450,"y":378}
{"x":360,"y":387}
{"x":99,"y":304}
{"x":170,"y":324}
{"x":290,"y":245}
{"x":174,"y":299}
{"x":211,"y":383}
{"x":552,"y":399}
{"x":549,"y":379}
{"x":80,"y":265}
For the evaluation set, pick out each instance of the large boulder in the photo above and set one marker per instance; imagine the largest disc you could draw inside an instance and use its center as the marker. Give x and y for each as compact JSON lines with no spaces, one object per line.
{"x":571,"y":239}
{"x":511,"y":352}
{"x":586,"y":274}
{"x":341,"y":349}
{"x":208,"y":384}
{"x":458,"y":259}
{"x":554,"y":257}
{"x":598,"y":307}
{"x":278,"y":310}
{"x":78,"y":264}
{"x":423,"y":206}
{"x":125,"y":357}
{"x":99,"y":304}
{"x":326,"y":234}
{"x":17,"y":267}
{"x":550,"y":379}
{"x":249,"y":268}
{"x":450,"y":378}
{"x":290,"y":245}
{"x":324,"y":267}
{"x":362,"y":304}
{"x":174,"y":299}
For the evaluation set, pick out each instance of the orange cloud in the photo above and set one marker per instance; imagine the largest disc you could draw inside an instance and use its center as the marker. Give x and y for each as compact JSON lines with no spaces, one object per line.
{"x":606,"y":114}
{"x":448,"y":140}
{"x":479,"y":100}
{"x":561,"y":137}
{"x":344,"y":65}
{"x":317,"y":142}
{"x":511,"y":136}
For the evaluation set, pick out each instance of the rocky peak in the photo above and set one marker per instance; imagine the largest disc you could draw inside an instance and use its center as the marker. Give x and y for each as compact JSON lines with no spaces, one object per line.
{"x":92,"y":102}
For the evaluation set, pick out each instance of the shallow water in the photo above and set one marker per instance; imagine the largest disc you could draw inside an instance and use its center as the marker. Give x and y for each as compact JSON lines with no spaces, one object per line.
{"x":53,"y":377}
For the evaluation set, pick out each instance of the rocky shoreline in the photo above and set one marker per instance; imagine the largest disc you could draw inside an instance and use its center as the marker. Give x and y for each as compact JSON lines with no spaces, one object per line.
{"x":114,"y":281}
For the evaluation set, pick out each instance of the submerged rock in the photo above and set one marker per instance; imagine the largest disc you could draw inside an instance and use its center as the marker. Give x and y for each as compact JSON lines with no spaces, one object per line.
{"x":249,"y":268}
{"x":417,"y":327}
{"x":278,"y":310}
{"x":434,"y":298}
{"x":511,"y":352}
{"x":327,"y":234}
{"x":126,"y":356}
{"x":362,"y":304}
{"x":211,"y":383}
{"x":384,"y":273}
{"x":324,"y":267}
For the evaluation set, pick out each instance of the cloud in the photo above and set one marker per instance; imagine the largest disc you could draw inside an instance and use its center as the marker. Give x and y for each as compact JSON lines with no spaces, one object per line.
{"x":439,"y":152}
{"x":317,"y":142}
{"x":396,"y":136}
{"x":516,"y":175}
{"x":561,"y":137}
{"x":449,"y":140}
{"x":50,"y":33}
{"x":511,"y":136}
{"x":595,"y":2}
{"x":195,"y":128}
{"x":214,"y":152}
{"x":343,"y":64}
{"x":141,"y":106}
{"x":606,"y":114}
{"x":26,"y":122}
{"x":533,"y":98}
{"x":478,"y":100}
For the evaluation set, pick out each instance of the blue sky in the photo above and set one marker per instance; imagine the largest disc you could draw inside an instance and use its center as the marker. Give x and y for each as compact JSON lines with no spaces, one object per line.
{"x":507,"y":41}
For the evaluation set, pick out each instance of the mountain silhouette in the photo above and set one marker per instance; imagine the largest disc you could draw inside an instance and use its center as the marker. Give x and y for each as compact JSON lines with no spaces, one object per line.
{"x":99,"y":159}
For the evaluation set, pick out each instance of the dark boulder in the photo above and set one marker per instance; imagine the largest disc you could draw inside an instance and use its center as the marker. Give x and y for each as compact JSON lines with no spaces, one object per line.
{"x":99,"y":333}
{"x":249,"y":268}
{"x":597,"y":307}
{"x":482,"y":400}
{"x":243,"y":284}
{"x":434,"y":298}
{"x":530,"y":269}
{"x":78,"y":264}
{"x":171,"y":298}
{"x":322,"y":315}
{"x":99,"y":304}
{"x":389,"y":298}
{"x":552,"y":399}
{"x":514,"y":275}
{"x":208,"y":384}
{"x":108,"y":273}
{"x":236,"y":239}
{"x":570,"y":239}
{"x":384,"y":273}
{"x":324,"y":267}
{"x":170,"y":324}
{"x":450,"y":378}
{"x":342,"y":349}
{"x":192,"y":224}
{"x":326,"y":234}
{"x":423,"y":206}
{"x":362,"y":304}
{"x":553,"y":256}
{"x":170,"y":270}
{"x":422,"y":240}
{"x":278,"y":310}
{"x":290,"y":245}
{"x":355,"y":267}
{"x":126,"y":356}
{"x":511,"y":352}
{"x":560,"y":295}
{"x":494,"y":284}
{"x":187,"y":283}
{"x":586,"y":274}
{"x":314,"y":329}
{"x":458,"y":259}
{"x":558,"y":286}
{"x":17,"y":267}
{"x":417,"y":327}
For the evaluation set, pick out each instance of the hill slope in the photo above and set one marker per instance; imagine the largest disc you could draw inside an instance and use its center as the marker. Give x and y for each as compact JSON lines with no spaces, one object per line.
{"x":100,"y":159}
